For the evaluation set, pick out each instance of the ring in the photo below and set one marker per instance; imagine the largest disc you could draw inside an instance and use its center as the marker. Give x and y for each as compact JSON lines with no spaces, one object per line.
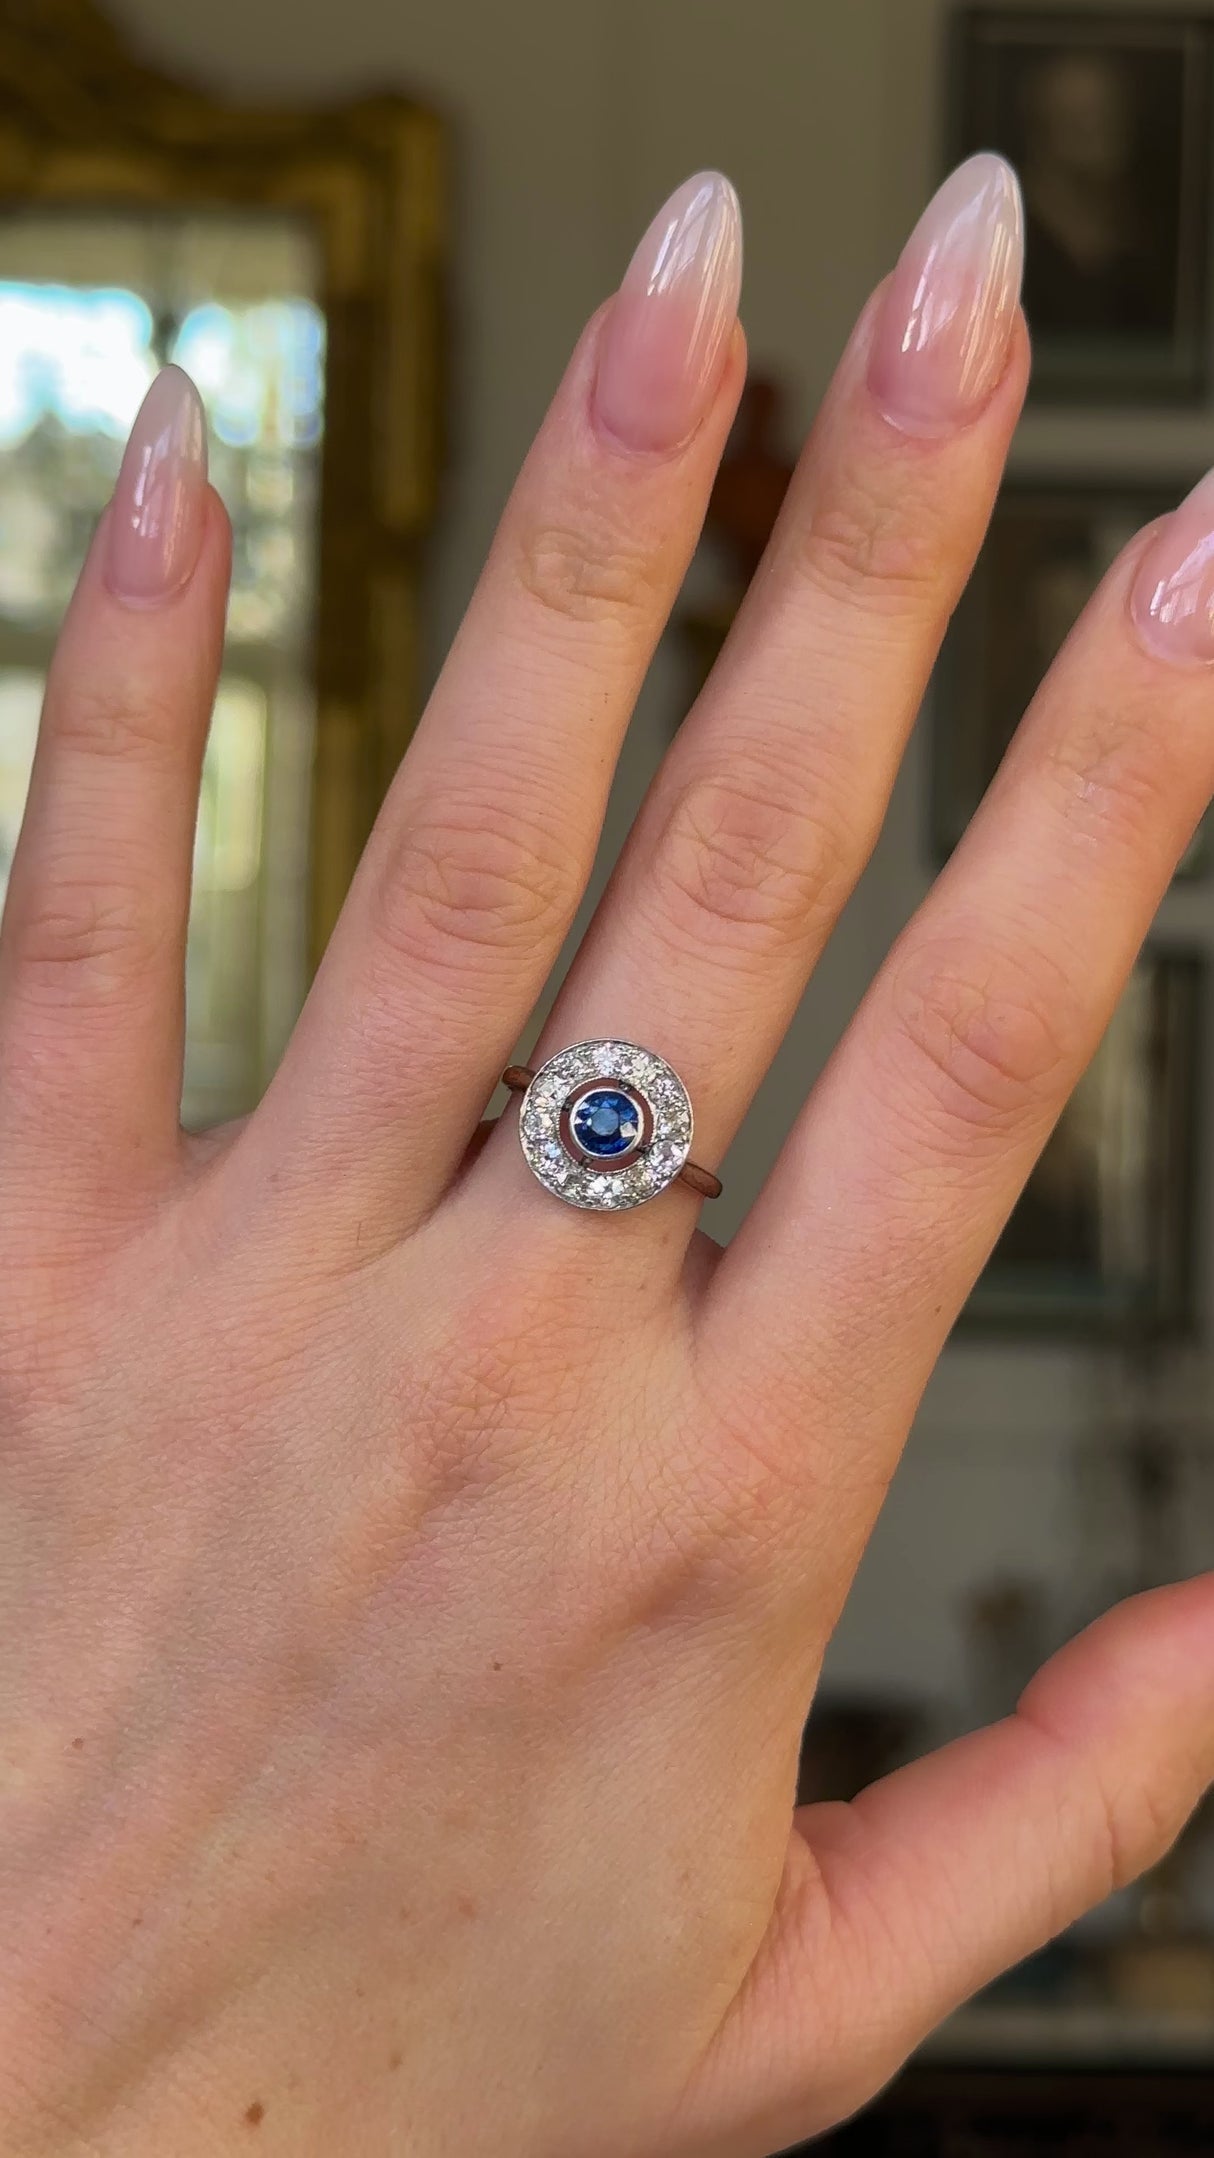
{"x":606,"y":1125}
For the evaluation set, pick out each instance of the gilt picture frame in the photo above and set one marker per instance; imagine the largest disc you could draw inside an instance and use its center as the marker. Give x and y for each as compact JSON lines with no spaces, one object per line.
{"x":87,"y":129}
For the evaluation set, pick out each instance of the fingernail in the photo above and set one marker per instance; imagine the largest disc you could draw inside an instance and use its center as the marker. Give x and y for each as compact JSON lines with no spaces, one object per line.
{"x":666,"y":337}
{"x":1173,"y":597}
{"x":944,"y":332}
{"x":154,"y":529}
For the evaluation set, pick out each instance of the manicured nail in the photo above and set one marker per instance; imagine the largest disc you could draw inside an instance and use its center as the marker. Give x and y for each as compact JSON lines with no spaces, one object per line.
{"x":665,"y":340}
{"x":1173,"y":598}
{"x":944,"y":332}
{"x":154,"y":528}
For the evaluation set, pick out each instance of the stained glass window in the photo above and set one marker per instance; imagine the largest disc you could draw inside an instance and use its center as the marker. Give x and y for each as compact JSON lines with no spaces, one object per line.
{"x":89,"y":309}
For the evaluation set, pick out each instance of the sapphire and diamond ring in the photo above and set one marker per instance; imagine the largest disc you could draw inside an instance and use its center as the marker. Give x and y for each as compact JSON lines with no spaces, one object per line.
{"x":606,"y":1125}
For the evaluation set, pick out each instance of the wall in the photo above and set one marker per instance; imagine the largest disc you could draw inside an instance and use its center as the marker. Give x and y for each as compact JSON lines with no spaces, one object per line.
{"x":569,"y":123}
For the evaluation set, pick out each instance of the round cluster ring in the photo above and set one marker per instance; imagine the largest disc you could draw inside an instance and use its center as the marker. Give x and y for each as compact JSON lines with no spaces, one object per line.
{"x":607,"y":1125}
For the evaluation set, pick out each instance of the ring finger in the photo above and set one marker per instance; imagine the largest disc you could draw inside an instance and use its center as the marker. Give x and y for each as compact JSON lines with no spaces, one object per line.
{"x":767,"y":808}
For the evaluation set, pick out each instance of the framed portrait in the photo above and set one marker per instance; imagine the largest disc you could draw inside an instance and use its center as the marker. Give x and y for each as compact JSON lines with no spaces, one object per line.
{"x":1047,"y":549}
{"x":1102,"y":1238}
{"x":1107,"y":119}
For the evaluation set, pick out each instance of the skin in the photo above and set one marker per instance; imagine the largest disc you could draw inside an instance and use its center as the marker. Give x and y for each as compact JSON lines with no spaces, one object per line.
{"x":403,"y":1678}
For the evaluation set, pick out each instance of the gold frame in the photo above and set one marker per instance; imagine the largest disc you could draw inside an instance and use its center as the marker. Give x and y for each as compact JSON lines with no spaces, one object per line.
{"x":82,"y":121}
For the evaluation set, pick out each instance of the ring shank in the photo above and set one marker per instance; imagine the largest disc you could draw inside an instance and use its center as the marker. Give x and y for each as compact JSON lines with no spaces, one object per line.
{"x":518,"y":1077}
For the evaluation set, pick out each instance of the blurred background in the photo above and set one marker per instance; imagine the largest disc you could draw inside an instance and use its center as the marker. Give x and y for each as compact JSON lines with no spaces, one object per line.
{"x":372,"y":234}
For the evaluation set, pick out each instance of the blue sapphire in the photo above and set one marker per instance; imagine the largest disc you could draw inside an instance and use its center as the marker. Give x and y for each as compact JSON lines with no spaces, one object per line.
{"x":606,"y":1123}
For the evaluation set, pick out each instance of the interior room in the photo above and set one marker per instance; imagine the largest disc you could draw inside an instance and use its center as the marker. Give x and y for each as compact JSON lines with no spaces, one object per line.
{"x":372,"y":234}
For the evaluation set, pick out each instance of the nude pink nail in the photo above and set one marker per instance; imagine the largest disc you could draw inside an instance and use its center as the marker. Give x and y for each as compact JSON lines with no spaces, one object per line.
{"x":944,"y":331}
{"x":155,"y":523}
{"x":1172,"y":602}
{"x":666,"y":338}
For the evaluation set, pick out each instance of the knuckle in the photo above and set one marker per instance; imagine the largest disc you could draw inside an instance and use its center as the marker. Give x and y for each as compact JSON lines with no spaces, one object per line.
{"x":1113,"y":776}
{"x":738,"y":865}
{"x":978,"y":1024}
{"x":1141,"y":1825}
{"x":497,"y":1378}
{"x":102,"y":939}
{"x":474,"y":883}
{"x":1126,"y":1822}
{"x":43,"y":1343}
{"x":867,"y":545}
{"x":731,"y":1486}
{"x":583,"y":572}
{"x":107,"y":719}
{"x":26,"y":1382}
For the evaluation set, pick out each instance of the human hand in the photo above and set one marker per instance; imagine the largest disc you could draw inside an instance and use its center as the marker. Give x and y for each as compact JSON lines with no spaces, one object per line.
{"x":413,"y":1587}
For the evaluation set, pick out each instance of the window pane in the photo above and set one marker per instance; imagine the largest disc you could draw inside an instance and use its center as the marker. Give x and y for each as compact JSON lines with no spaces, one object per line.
{"x":89,"y":309}
{"x":20,"y":702}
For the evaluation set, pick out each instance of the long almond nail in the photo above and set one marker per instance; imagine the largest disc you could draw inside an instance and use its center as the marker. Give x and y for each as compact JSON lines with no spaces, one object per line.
{"x":155,"y":524}
{"x":1173,"y":597}
{"x":944,"y":331}
{"x":665,"y":340}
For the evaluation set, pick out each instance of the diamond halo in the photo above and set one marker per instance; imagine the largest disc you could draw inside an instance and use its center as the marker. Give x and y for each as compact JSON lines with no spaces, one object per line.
{"x":616,"y":1067}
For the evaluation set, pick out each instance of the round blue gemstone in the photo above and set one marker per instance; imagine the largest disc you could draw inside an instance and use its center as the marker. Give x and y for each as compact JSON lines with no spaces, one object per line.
{"x":606,"y":1122}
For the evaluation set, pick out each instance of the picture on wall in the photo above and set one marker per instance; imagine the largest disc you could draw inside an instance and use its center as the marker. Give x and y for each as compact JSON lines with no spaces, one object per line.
{"x":1102,"y":1237}
{"x":1107,"y":118}
{"x":1047,"y":549}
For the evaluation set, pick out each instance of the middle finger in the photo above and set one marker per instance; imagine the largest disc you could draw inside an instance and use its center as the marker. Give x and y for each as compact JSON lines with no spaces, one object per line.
{"x":483,"y":847}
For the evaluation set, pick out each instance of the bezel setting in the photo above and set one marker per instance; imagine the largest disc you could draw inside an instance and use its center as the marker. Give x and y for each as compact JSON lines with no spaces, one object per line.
{"x":610,"y":1164}
{"x":605,"y":1184}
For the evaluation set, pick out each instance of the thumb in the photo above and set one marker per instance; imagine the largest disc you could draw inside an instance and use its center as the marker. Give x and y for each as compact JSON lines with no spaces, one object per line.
{"x":896,"y":1909}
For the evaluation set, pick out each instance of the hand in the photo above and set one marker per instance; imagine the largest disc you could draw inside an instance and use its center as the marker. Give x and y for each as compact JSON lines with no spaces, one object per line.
{"x":413,"y":1587}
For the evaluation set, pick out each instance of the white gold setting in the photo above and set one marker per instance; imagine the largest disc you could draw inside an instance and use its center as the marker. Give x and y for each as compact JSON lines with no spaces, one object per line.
{"x":603,"y":1187}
